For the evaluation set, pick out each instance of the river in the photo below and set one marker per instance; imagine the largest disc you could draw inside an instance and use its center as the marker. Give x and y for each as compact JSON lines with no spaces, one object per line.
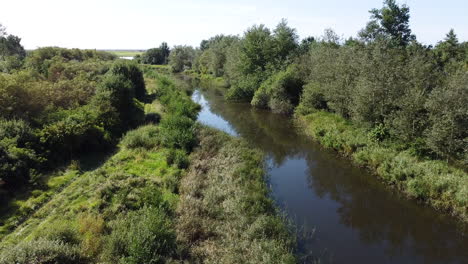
{"x":347,"y":214}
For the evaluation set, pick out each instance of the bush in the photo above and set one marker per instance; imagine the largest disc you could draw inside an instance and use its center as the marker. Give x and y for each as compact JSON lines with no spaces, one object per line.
{"x":146,"y":137}
{"x":42,"y":251}
{"x":178,"y":132}
{"x":18,"y":159}
{"x":131,"y":72}
{"x":312,"y":99}
{"x":143,"y":236}
{"x":178,"y":158}
{"x":280,"y":92}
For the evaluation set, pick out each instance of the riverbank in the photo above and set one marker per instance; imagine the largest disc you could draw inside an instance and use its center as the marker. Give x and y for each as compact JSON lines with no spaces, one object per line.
{"x":225,"y":213}
{"x":132,"y":209}
{"x":433,"y":182}
{"x":430,"y":181}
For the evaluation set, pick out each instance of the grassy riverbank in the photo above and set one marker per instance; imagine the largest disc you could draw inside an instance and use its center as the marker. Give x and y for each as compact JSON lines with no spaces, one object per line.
{"x":431,"y":181}
{"x":225,"y":214}
{"x":154,"y":202}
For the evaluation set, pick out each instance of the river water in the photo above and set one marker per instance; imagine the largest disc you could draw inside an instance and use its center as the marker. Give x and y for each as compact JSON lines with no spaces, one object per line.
{"x":348,"y":216}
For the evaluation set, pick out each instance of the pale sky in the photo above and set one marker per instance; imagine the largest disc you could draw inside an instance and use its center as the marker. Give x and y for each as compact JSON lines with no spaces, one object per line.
{"x":143,"y":24}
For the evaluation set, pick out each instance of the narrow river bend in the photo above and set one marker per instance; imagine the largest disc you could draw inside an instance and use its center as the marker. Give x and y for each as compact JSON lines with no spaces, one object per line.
{"x":353,"y":217}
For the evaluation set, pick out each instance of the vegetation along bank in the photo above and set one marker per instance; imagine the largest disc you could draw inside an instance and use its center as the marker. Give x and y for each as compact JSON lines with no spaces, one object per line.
{"x":389,"y":102}
{"x":137,"y":203}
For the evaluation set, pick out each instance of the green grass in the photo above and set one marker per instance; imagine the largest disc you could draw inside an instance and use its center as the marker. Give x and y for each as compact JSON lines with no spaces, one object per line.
{"x":130,"y":180}
{"x":125,"y":53}
{"x":22,"y":207}
{"x":432,"y":181}
{"x":225,"y":213}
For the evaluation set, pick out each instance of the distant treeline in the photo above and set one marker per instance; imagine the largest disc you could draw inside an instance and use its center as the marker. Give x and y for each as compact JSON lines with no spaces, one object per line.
{"x":57,"y":103}
{"x":384,"y":79}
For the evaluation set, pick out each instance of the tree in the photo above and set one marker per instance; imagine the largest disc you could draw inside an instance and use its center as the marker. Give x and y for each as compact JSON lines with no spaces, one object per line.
{"x":286,"y":42}
{"x":389,"y":22}
{"x":181,"y":58}
{"x":130,"y":71}
{"x":12,"y":53}
{"x":156,"y":56}
{"x":448,"y":108}
{"x":305,"y":45}
{"x":449,"y":49}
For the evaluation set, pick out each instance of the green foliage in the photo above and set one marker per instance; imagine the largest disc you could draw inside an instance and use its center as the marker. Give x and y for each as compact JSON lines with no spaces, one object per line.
{"x":146,"y":137}
{"x":43,"y":251}
{"x":121,"y":94}
{"x":12,"y":53}
{"x":389,"y":22}
{"x":156,"y":56}
{"x":178,"y":157}
{"x":225,"y":212}
{"x":280,"y":92}
{"x":131,"y":71}
{"x":181,"y":58}
{"x":434,"y":182}
{"x":177,"y":132}
{"x":448,"y":108}
{"x":18,"y":158}
{"x":142,"y":236}
{"x":312,"y":99}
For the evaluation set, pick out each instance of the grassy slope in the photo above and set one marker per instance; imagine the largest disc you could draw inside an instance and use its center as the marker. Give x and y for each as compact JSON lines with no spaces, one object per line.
{"x":434,"y":182}
{"x":96,"y":215}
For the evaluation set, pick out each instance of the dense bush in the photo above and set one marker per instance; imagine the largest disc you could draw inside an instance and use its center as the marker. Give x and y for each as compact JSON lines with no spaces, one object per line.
{"x":178,"y":132}
{"x":156,"y":56}
{"x":131,"y":71}
{"x":43,"y":251}
{"x":18,"y":158}
{"x":280,"y":92}
{"x":144,"y":137}
{"x":142,"y":236}
{"x":75,"y":101}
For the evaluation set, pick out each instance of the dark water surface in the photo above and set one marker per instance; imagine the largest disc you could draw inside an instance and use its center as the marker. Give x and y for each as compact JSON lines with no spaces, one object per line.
{"x":356,"y":218}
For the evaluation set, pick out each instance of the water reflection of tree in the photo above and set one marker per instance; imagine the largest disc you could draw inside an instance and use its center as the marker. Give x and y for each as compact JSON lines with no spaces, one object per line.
{"x":366,"y":206}
{"x":378,"y":215}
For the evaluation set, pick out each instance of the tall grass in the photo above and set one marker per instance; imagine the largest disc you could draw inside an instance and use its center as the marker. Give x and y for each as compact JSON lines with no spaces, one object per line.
{"x":225,"y":213}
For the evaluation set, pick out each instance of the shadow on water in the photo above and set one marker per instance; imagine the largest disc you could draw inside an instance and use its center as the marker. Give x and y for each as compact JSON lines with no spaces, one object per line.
{"x":356,"y":218}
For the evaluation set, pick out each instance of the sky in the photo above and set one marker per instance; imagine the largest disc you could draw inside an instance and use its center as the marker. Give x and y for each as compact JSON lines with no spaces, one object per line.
{"x":143,"y":24}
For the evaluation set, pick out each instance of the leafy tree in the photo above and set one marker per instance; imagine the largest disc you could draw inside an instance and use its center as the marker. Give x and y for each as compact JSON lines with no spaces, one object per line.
{"x":12,"y":53}
{"x":181,"y":58}
{"x":389,"y":22}
{"x":285,"y":42}
{"x":305,"y":45}
{"x":156,"y":56}
{"x":131,"y":72}
{"x":448,"y":108}
{"x":18,"y":158}
{"x":449,"y":49}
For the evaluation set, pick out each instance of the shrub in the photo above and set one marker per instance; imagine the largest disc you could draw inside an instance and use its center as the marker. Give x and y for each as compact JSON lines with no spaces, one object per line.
{"x":280,"y":92}
{"x":312,"y":99}
{"x":144,"y":137}
{"x":62,"y":231}
{"x":152,"y":118}
{"x":178,"y":132}
{"x":178,"y":157}
{"x":131,"y":72}
{"x":42,"y":251}
{"x":143,"y":236}
{"x":18,"y":159}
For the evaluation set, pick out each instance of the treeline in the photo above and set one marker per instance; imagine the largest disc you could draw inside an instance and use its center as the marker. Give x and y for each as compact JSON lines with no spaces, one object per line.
{"x":56,"y":104}
{"x":383,"y":79}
